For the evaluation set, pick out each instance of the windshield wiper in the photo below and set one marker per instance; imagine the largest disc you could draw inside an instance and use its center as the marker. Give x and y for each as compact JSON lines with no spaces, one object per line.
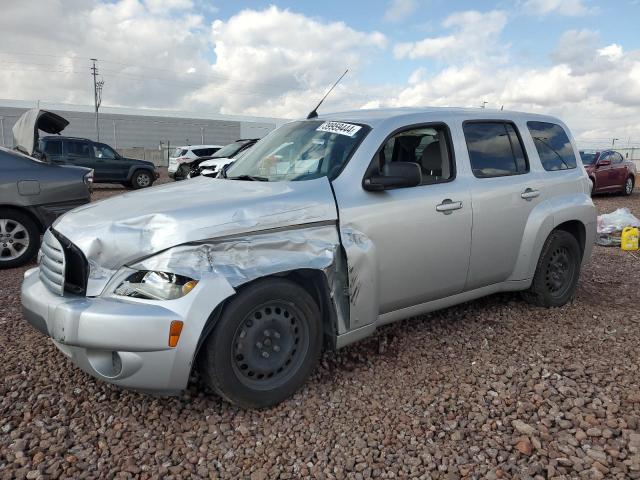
{"x":250,"y":178}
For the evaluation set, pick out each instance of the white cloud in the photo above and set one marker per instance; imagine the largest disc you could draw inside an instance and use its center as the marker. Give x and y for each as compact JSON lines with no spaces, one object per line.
{"x":284,"y":59}
{"x":572,"y":8}
{"x":279,"y":63}
{"x":579,"y":87}
{"x":164,"y":6}
{"x":398,"y":10}
{"x":611,"y":52}
{"x":473,"y":35}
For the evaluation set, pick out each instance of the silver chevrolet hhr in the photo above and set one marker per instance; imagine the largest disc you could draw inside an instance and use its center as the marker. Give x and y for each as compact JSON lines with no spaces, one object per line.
{"x":328,"y":228}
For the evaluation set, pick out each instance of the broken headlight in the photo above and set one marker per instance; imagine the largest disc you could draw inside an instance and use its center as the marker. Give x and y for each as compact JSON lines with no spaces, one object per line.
{"x":156,"y":286}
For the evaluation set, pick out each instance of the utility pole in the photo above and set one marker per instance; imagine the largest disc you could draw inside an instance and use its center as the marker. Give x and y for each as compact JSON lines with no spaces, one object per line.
{"x":97,"y":93}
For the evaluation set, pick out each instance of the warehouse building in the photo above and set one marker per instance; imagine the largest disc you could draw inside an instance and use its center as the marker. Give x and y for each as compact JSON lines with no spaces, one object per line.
{"x":142,"y":133}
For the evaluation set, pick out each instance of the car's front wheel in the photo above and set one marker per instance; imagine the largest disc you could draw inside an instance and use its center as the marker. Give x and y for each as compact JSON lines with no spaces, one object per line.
{"x":19,"y":238}
{"x":557,"y":272}
{"x":265,"y":344}
{"x":141,"y":179}
{"x":628,"y":186}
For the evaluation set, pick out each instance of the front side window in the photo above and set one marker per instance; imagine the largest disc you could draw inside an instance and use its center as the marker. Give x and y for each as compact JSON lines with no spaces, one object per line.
{"x":301,"y":150}
{"x":104,"y":152}
{"x":426,"y":146}
{"x":231,"y":150}
{"x":77,"y":148}
{"x":553,"y":146}
{"x":495,"y":149}
{"x":53,"y":147}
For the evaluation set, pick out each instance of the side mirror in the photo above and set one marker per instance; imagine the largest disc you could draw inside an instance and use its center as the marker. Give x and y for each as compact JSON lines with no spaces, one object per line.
{"x":604,"y":162}
{"x":395,"y":175}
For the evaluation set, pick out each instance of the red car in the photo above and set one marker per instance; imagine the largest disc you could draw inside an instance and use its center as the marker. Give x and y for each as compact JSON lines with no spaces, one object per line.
{"x":609,"y":171}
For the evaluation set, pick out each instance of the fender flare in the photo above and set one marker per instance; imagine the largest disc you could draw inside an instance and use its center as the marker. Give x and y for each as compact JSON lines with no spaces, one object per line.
{"x":544,"y":218}
{"x":134,"y":168}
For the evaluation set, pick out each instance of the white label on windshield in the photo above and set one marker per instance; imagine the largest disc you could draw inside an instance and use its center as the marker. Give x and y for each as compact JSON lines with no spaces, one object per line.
{"x":340,"y":128}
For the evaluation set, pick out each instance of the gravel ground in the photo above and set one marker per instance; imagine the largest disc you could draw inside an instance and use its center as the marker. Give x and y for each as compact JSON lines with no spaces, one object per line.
{"x":490,"y":389}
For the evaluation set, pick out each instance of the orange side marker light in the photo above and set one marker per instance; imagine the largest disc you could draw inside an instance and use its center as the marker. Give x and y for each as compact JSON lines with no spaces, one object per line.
{"x":174,"y":332}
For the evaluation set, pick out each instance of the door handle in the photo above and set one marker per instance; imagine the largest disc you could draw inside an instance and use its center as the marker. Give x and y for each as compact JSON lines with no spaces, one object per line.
{"x":448,"y":206}
{"x":530,"y":194}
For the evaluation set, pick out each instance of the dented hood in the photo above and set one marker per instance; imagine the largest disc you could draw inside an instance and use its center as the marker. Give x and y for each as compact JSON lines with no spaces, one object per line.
{"x":116,"y":231}
{"x":25,"y":130}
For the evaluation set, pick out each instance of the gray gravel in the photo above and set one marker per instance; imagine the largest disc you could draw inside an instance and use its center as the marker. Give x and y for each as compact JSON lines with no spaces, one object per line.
{"x":491,"y":389}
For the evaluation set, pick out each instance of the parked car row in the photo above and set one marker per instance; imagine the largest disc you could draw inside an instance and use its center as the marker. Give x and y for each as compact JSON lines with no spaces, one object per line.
{"x":187,"y":165}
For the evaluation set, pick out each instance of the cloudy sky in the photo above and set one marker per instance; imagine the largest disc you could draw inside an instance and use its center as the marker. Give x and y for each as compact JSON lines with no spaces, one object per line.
{"x":578,"y":59}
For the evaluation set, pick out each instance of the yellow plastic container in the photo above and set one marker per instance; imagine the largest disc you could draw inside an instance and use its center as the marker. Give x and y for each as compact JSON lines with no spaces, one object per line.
{"x":629,"y":238}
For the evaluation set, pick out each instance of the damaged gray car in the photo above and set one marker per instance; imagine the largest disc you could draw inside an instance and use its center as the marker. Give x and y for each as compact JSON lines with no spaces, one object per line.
{"x":327,"y":229}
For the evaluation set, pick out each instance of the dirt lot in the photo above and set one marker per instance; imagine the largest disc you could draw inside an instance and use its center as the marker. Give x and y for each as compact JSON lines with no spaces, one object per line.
{"x":490,"y":389}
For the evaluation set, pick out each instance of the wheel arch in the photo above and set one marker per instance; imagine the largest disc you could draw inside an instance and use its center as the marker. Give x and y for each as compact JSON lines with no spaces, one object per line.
{"x":574,"y":213}
{"x":134,"y":168}
{"x":26,"y":211}
{"x":313,"y":281}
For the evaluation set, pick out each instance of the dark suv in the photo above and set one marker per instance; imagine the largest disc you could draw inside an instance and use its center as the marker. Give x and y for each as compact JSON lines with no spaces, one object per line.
{"x":108,"y":165}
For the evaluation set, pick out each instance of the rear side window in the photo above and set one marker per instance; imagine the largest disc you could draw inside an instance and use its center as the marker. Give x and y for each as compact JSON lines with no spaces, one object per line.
{"x":495,"y":149}
{"x":553,"y":146}
{"x":53,"y":147}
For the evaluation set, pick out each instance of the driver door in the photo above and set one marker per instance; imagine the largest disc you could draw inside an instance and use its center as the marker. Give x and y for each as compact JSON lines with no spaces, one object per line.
{"x":406,"y":246}
{"x":108,"y":166}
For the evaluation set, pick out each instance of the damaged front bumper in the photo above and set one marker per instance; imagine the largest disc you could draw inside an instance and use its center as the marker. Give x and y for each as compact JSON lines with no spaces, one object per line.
{"x":125,"y":341}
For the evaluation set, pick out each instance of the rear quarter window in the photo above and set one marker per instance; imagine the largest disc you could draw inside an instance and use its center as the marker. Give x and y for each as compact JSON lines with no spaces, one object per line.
{"x":553,"y":146}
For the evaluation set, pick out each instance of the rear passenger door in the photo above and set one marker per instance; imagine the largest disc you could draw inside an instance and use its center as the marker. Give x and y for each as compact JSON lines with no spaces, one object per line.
{"x":78,"y":152}
{"x":618,"y":170}
{"x":503,"y":193}
{"x":53,"y":151}
{"x":108,"y":164}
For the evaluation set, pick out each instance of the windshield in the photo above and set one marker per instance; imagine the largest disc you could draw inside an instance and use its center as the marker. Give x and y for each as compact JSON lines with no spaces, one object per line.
{"x":179,"y":152}
{"x":587,"y":157}
{"x":230,"y":150}
{"x":301,"y":151}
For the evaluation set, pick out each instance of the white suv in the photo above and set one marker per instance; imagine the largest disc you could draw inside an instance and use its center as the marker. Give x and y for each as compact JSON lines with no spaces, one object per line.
{"x":186,"y":155}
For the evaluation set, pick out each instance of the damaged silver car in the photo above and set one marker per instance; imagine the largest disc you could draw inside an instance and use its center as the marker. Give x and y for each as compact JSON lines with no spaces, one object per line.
{"x":328,"y":228}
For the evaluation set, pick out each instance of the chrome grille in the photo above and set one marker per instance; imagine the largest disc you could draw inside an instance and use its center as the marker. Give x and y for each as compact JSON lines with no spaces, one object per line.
{"x":52,"y":263}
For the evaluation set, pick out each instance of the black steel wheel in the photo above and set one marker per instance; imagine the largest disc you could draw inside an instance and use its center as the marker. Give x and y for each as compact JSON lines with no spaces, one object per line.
{"x":265,"y":344}
{"x":557,"y":272}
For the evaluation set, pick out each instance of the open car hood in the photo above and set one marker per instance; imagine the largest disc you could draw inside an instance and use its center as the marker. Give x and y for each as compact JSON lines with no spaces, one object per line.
{"x":25,"y":131}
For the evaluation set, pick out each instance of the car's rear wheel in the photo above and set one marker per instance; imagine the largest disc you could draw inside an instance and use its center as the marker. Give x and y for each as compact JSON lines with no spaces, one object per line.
{"x":265,"y":344}
{"x":141,"y":179}
{"x":19,"y":238}
{"x":628,"y":186}
{"x":557,"y":272}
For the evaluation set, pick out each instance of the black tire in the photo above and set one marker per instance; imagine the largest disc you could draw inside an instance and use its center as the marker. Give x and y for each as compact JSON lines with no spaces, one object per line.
{"x":265,"y":345}
{"x":557,"y":272}
{"x":141,"y":179}
{"x":20,"y":238}
{"x":627,"y":188}
{"x":181,"y":172}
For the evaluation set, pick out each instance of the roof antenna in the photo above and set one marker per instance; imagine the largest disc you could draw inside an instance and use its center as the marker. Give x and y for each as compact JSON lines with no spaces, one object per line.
{"x":314,"y":112}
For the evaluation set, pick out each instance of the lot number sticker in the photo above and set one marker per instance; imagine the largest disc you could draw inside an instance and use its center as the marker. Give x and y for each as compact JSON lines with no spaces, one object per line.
{"x":340,"y":128}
